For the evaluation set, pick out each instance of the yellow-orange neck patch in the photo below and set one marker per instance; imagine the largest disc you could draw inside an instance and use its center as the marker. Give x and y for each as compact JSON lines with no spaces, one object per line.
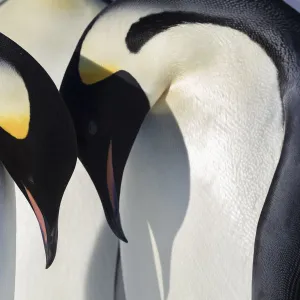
{"x":90,"y":72}
{"x":38,"y":214}
{"x":17,"y":126}
{"x":14,"y":102}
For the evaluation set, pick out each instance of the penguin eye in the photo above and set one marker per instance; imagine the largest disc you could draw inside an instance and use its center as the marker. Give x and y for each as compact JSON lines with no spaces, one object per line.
{"x":30,"y":180}
{"x":92,"y":128}
{"x":99,"y":124}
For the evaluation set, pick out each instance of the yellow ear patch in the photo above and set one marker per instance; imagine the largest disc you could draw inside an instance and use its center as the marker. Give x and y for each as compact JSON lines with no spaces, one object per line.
{"x":90,"y":72}
{"x":17,"y":126}
{"x":14,"y":102}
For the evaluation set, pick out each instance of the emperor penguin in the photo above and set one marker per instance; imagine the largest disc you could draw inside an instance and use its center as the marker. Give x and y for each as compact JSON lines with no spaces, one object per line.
{"x":38,"y":150}
{"x":87,"y":250}
{"x":194,"y":107}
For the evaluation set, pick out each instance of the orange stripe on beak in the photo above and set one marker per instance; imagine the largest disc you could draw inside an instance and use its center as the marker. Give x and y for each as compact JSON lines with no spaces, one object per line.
{"x":110,"y":177}
{"x":38,"y":214}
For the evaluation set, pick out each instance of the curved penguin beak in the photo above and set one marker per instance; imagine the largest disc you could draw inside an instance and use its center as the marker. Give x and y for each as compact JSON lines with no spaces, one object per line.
{"x":37,"y":136}
{"x":49,"y":234}
{"x":107,"y":115}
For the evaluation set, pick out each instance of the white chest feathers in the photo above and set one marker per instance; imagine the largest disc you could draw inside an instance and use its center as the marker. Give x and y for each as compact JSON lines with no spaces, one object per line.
{"x":199,"y":172}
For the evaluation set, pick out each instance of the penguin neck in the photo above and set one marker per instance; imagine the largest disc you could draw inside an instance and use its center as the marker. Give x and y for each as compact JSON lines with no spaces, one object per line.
{"x":183,"y":50}
{"x":227,"y":109}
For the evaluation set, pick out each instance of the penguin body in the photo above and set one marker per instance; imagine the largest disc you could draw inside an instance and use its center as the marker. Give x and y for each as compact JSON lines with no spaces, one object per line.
{"x":209,"y":193}
{"x":213,"y":203}
{"x":49,"y":31}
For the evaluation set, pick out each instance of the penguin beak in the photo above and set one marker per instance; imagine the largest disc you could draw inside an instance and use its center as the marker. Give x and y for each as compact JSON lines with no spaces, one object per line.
{"x":107,"y":117}
{"x":37,"y":137}
{"x":49,"y":233}
{"x":42,"y":163}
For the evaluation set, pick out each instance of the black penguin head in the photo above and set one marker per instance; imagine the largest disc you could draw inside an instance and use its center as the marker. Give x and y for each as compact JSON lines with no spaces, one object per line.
{"x":37,"y":137}
{"x":108,"y":108}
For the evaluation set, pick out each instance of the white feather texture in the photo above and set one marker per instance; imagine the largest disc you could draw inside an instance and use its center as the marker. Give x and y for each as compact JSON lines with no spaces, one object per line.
{"x":201,"y":166}
{"x":197,"y":176}
{"x":223,"y":99}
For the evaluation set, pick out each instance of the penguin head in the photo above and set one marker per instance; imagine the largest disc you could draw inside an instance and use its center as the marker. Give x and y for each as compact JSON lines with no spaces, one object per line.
{"x":37,"y":137}
{"x":108,"y":106}
{"x":108,"y":47}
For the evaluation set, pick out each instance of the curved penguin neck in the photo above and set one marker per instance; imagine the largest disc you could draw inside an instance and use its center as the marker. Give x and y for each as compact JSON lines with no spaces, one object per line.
{"x":223,"y":91}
